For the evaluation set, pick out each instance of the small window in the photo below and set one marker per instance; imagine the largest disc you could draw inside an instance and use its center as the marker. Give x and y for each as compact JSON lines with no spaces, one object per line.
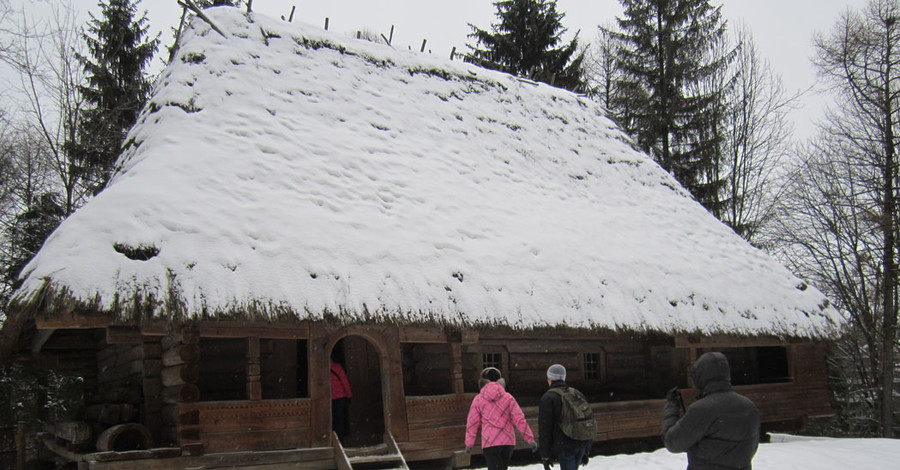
{"x":477,"y":357}
{"x":591,"y":366}
{"x":492,"y":360}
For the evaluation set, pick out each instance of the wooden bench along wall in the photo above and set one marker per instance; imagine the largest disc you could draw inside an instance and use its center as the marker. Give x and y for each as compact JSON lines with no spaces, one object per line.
{"x":232,"y":426}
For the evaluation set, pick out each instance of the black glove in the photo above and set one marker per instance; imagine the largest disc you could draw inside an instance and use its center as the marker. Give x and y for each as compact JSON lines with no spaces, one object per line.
{"x":547,"y":464}
{"x":584,"y":459}
{"x":674,"y":396}
{"x":468,"y":449}
{"x":534,"y":447}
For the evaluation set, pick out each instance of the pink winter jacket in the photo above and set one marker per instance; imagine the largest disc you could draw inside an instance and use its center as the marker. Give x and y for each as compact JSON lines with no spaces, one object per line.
{"x":340,"y":386}
{"x":496,"y":412}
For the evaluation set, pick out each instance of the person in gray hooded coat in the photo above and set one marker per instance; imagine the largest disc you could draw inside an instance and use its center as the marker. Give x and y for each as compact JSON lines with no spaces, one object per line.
{"x":720,"y":431}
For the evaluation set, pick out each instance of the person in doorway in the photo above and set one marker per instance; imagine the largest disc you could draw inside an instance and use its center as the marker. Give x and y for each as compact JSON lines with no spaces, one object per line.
{"x":496,"y":413}
{"x":556,"y":445}
{"x":340,"y":400}
{"x":719,"y":431}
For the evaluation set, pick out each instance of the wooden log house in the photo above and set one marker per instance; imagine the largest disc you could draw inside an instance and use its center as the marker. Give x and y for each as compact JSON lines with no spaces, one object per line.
{"x":416,"y":218}
{"x":258,"y":392}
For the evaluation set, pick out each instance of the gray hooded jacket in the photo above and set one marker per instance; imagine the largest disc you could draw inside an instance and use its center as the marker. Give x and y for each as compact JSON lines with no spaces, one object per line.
{"x":720,"y":431}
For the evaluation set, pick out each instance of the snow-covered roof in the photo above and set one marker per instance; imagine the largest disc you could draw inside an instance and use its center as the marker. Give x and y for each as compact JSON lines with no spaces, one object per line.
{"x":283,"y":169}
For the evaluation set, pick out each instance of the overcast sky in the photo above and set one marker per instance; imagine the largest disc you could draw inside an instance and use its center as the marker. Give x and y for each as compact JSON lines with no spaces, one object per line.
{"x":783,"y":29}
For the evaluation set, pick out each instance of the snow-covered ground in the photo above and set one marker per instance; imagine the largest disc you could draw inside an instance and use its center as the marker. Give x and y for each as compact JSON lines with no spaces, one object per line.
{"x":785,"y":452}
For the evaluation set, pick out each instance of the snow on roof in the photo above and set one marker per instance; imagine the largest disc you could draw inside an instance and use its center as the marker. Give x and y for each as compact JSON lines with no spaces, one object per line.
{"x":286,"y":169}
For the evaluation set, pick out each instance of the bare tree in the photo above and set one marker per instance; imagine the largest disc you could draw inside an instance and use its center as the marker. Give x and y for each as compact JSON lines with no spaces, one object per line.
{"x":830,"y":237}
{"x":44,"y":55}
{"x":840,"y":221}
{"x":756,"y":138}
{"x":7,"y":33}
{"x":600,"y":66}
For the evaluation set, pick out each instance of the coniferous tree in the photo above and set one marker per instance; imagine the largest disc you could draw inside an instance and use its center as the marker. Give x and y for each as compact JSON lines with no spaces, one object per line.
{"x":527,"y":42}
{"x":667,"y":60}
{"x":117,"y":89}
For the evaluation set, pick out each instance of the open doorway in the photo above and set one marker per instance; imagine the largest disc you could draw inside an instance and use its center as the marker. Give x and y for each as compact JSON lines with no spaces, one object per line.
{"x":365,"y":414}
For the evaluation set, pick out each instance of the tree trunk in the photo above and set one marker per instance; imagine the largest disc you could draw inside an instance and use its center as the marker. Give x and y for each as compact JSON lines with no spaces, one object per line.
{"x":890,"y":263}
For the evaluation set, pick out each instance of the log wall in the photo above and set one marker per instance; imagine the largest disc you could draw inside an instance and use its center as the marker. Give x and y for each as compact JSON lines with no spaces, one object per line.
{"x":120,"y":377}
{"x":626,"y":368}
{"x":427,"y":369}
{"x":178,"y":378}
{"x":152,"y":388}
{"x":436,"y":424}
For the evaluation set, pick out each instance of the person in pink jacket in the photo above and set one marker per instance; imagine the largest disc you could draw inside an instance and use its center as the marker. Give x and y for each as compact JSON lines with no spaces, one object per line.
{"x":496,"y":413}
{"x":340,"y":400}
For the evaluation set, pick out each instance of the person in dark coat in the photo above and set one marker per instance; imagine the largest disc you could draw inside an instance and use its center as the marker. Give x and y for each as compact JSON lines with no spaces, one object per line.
{"x":720,"y":431}
{"x":553,"y":443}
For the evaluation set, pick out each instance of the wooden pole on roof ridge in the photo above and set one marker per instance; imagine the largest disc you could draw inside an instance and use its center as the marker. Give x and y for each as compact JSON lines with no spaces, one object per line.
{"x":174,"y":48}
{"x":193,"y":6}
{"x":390,"y":39}
{"x":291,"y":16}
{"x":423,"y":45}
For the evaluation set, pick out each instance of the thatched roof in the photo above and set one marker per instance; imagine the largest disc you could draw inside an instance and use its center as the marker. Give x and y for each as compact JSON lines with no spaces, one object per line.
{"x":284,"y":170}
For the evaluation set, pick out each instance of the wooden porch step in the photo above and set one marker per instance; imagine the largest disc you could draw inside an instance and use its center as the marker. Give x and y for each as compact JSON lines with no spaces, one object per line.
{"x":374,"y":458}
{"x":384,"y":456}
{"x":379,"y":449}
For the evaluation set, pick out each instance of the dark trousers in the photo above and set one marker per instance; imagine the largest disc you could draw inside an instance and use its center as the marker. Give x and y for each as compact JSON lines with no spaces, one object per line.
{"x":340,"y":417}
{"x":497,"y":457}
{"x":570,"y":456}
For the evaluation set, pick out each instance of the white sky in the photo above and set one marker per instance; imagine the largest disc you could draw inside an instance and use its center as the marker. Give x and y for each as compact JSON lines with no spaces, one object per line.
{"x":783,"y":29}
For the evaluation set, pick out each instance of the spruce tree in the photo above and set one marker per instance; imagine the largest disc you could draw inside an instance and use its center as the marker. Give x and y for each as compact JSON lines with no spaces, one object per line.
{"x":117,"y":87}
{"x":527,"y":43}
{"x":670,"y":59}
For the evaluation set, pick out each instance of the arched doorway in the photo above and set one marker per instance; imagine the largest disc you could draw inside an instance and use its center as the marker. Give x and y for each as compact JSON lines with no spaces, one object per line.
{"x":362,"y":364}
